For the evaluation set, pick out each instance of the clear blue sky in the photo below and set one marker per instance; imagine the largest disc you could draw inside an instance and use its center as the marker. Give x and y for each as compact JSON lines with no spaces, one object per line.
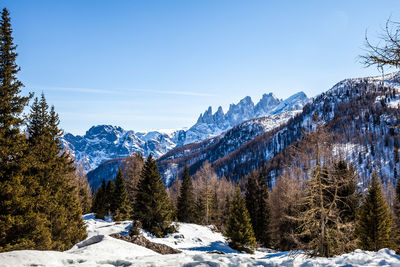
{"x":158,"y":64}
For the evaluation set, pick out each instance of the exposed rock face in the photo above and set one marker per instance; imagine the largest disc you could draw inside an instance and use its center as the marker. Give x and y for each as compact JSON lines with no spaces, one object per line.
{"x":104,"y":142}
{"x":144,"y":242}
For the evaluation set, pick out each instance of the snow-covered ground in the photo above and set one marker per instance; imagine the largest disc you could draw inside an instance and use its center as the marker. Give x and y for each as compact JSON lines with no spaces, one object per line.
{"x":199,"y":245}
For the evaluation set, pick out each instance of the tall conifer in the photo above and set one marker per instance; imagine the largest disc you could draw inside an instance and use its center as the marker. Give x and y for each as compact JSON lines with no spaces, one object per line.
{"x":99,"y":201}
{"x":186,"y":199}
{"x":374,"y":222}
{"x":16,"y":218}
{"x":238,"y":227}
{"x":58,"y":196}
{"x":153,"y":208}
{"x":258,"y":206}
{"x":121,"y":198}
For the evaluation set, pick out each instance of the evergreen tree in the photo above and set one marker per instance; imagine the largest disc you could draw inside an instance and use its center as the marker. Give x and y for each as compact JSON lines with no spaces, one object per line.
{"x":374,"y":222}
{"x":186,"y":199}
{"x":99,"y":202}
{"x":238,"y":227}
{"x":109,"y":200}
{"x":153,"y":208}
{"x":16,"y":218}
{"x":53,"y":169}
{"x":199,"y":209}
{"x":263,"y":218}
{"x":258,"y":206}
{"x":121,"y":199}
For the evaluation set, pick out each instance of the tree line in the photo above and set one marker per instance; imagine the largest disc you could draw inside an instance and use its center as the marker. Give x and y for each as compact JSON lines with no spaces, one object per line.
{"x":316,"y":205}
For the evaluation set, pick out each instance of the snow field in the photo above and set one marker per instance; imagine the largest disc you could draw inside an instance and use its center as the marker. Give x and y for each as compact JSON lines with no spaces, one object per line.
{"x":200,"y":246}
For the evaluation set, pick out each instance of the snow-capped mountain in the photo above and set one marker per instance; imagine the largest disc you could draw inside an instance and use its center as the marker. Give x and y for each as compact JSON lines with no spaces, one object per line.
{"x":362,"y":115}
{"x":209,"y":125}
{"x":104,"y":142}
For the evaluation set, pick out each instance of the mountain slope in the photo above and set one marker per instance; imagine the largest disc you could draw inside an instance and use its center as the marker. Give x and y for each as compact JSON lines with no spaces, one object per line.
{"x":103,"y":142}
{"x":362,"y":114}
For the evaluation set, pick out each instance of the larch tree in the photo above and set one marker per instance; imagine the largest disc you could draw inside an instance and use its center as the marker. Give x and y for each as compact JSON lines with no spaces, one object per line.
{"x":386,"y":52}
{"x":286,"y":206}
{"x":131,"y":169}
{"x":396,"y":208}
{"x":323,"y":230}
{"x":84,"y":191}
{"x":205,"y":183}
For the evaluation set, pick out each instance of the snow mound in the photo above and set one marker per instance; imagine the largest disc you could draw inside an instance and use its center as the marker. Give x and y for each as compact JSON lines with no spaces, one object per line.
{"x":201,"y":246}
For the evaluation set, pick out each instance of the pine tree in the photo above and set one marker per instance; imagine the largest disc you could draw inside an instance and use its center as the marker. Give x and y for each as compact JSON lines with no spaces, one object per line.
{"x":374,"y":222}
{"x":121,"y":199}
{"x":152,"y":207}
{"x":258,"y":206}
{"x":54,"y":171}
{"x":286,"y":206}
{"x":251,"y":198}
{"x":99,"y":202}
{"x":16,"y":218}
{"x":186,"y":199}
{"x":109,"y":200}
{"x":238,"y":227}
{"x":263,"y":218}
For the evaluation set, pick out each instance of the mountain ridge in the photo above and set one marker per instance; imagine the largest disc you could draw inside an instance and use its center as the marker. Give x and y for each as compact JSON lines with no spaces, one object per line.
{"x":104,"y":142}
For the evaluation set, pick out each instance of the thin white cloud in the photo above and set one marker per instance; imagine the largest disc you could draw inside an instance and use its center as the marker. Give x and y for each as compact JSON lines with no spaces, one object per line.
{"x":119,"y":91}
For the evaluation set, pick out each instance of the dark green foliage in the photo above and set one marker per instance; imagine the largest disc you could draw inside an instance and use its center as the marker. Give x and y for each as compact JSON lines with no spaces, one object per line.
{"x":109,"y":197}
{"x":153,"y":208}
{"x":258,"y":206}
{"x":122,"y":206}
{"x":56,"y":197}
{"x":99,"y":202}
{"x":17,"y":215}
{"x":238,"y":227}
{"x":200,"y":209}
{"x":39,"y":201}
{"x":186,"y":199}
{"x":374,"y":222}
